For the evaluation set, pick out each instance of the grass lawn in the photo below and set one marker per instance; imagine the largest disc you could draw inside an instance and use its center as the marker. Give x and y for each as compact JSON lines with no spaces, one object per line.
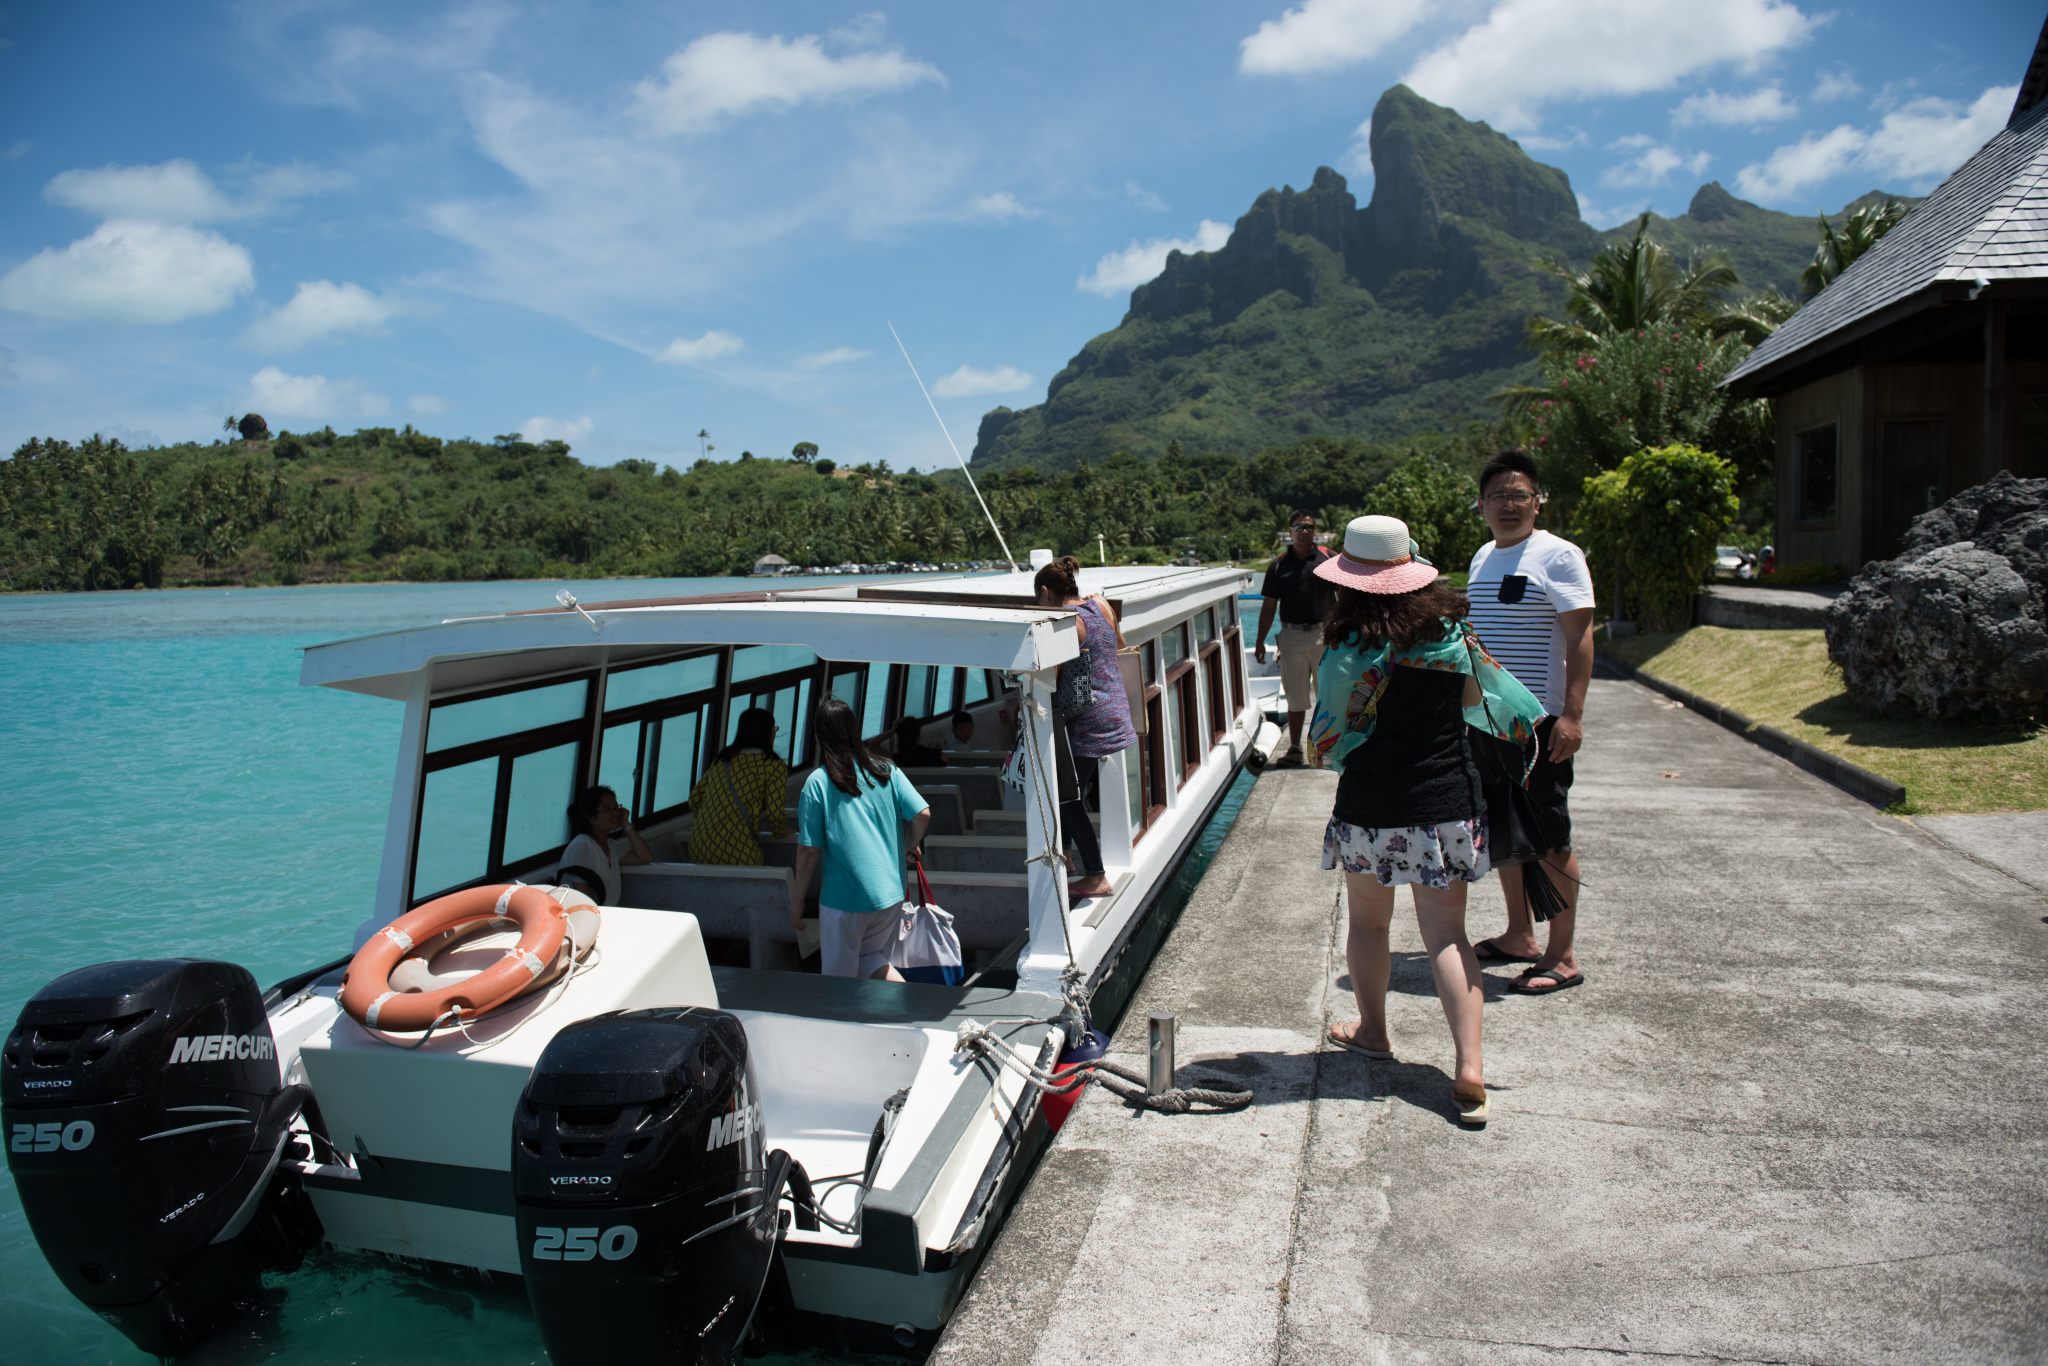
{"x":1784,"y":679}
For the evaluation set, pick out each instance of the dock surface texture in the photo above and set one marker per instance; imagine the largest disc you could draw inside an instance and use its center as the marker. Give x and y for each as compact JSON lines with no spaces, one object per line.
{"x":1795,"y":1114}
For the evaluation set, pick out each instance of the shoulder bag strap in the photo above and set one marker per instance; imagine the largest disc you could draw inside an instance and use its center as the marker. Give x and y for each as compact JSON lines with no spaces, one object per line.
{"x":732,"y":786}
{"x":924,"y":886}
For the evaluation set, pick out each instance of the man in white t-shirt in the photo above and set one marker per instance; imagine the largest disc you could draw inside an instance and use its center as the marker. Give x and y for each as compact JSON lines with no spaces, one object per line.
{"x":1532,"y":606}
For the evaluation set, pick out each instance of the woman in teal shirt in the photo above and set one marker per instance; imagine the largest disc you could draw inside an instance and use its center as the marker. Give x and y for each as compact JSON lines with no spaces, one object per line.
{"x":851,"y":814}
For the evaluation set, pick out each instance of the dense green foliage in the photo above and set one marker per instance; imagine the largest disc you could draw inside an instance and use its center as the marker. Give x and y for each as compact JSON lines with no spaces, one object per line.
{"x":1655,"y":520}
{"x":1839,"y":248}
{"x":384,"y":504}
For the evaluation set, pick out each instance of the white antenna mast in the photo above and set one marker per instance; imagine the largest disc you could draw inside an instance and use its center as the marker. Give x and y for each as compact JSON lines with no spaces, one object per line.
{"x":956,"y":449}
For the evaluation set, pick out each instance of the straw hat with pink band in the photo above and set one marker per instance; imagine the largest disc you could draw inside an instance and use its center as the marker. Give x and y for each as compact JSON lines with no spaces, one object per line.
{"x":1378,"y":557}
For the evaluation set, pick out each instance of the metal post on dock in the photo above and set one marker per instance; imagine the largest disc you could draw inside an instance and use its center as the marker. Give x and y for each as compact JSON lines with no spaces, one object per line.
{"x":1160,"y":1078}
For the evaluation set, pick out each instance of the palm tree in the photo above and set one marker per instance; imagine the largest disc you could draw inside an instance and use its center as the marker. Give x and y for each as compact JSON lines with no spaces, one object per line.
{"x":1860,"y":232}
{"x":1629,"y":286}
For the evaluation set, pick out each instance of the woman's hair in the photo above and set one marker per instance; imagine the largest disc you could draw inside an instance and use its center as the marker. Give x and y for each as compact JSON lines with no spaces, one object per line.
{"x":841,"y":750}
{"x":909,"y":734}
{"x":1059,"y":579}
{"x":754,"y":730}
{"x":1403,"y":618}
{"x":583,"y":810}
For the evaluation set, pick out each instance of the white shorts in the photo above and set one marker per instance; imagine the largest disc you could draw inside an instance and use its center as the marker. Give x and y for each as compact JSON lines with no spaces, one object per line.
{"x":1300,"y":649}
{"x":852,"y":944}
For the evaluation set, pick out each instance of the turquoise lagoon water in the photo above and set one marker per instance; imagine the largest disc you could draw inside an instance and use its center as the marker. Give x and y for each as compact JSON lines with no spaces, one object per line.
{"x":171,"y":790}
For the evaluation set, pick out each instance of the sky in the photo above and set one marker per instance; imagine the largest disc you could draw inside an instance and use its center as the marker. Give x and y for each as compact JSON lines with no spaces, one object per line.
{"x":627,"y":225}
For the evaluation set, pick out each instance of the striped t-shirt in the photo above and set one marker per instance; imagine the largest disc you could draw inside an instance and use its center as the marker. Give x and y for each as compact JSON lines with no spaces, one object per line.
{"x":1525,"y":635}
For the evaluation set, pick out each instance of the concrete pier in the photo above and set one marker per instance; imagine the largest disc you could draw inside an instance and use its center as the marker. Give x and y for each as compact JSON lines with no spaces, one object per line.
{"x":1795,"y":1114}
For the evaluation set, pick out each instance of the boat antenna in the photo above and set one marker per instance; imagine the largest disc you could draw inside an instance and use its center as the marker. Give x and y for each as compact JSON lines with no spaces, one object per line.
{"x":956,"y":449}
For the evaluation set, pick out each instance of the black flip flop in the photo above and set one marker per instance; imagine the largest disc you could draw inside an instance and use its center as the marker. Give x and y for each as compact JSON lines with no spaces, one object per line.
{"x":1490,"y":951}
{"x":1558,"y":981}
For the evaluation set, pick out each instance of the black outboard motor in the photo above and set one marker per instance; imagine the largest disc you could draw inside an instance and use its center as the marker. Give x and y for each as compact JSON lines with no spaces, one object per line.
{"x":144,"y":1118}
{"x":647,"y":1202}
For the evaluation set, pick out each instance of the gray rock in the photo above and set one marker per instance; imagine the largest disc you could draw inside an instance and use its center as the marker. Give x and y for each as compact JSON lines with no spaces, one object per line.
{"x":1954,"y":627}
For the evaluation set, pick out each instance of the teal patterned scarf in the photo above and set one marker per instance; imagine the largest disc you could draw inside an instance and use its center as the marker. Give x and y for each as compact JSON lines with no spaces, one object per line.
{"x":1353,"y":677}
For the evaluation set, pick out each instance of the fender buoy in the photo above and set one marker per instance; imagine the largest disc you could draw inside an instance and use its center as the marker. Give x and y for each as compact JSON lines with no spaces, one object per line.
{"x":369,"y":999}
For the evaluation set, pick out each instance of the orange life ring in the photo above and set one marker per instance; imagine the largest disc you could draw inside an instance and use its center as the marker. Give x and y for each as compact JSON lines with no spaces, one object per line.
{"x":367,"y":995}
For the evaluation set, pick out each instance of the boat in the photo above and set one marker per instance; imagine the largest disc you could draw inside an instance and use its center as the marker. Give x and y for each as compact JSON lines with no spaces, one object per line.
{"x":686,"y":1142}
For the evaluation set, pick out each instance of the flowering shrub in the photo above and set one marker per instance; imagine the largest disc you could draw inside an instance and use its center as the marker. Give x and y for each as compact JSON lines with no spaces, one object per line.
{"x":1655,"y":521}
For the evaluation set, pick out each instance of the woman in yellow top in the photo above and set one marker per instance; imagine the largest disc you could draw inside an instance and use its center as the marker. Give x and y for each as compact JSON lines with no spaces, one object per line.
{"x":743,"y":791}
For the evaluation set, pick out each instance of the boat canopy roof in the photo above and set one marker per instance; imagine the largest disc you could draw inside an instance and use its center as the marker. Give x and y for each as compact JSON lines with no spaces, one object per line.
{"x":980,"y":621}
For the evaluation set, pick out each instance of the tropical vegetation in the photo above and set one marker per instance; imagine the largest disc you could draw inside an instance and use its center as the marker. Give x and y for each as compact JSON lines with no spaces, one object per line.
{"x":1651,"y":523}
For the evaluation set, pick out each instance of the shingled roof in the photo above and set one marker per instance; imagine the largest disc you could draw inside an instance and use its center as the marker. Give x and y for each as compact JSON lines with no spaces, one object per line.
{"x":1987,"y":222}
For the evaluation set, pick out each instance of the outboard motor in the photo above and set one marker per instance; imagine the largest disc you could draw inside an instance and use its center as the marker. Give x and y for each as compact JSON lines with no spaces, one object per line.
{"x":144,"y":1120}
{"x":647,"y":1201}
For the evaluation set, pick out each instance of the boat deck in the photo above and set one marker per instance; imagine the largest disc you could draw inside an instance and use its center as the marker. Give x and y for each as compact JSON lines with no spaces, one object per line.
{"x":1793,"y":1115}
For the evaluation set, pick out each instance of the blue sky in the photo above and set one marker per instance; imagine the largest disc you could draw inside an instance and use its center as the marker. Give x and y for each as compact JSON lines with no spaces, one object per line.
{"x":624,"y":224}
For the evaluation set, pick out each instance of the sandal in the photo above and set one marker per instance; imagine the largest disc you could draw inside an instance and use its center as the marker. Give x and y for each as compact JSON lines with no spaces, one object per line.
{"x":1378,"y":1055}
{"x":1559,"y":981}
{"x":1471,"y":1100}
{"x":1490,"y":951}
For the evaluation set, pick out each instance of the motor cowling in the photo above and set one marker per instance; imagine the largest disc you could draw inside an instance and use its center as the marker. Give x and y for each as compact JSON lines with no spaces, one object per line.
{"x":647,"y":1199}
{"x":144,"y":1118}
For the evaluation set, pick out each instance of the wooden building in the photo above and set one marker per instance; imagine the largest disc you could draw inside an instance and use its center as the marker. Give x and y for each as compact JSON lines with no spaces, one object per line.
{"x":1923,"y":369}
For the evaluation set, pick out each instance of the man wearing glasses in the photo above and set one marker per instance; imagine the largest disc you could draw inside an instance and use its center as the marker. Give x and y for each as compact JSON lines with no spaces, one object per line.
{"x":1532,"y":606}
{"x":1303,"y":601}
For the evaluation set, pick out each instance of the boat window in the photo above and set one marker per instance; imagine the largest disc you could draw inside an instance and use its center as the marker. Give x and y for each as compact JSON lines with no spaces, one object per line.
{"x":976,"y":688}
{"x":1233,"y":650}
{"x":759,"y":661}
{"x":536,"y":808}
{"x":846,"y":683}
{"x":1212,"y":684}
{"x":1173,"y":647}
{"x":1134,"y":780}
{"x":1149,"y":652}
{"x":455,"y":827}
{"x":1188,"y":725}
{"x":453,"y":724}
{"x":678,"y":758}
{"x":621,"y":762}
{"x":874,"y":715}
{"x":943,"y":689}
{"x":1205,"y":629}
{"x":917,"y":691}
{"x":636,"y":687}
{"x":791,"y":707}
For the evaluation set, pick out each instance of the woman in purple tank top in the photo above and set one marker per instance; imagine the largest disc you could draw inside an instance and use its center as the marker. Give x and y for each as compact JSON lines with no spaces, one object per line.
{"x":1091,"y":732}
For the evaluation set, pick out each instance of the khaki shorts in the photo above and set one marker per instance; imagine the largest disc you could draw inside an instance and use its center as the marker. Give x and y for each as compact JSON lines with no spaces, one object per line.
{"x":1300,"y":649}
{"x":855,"y":945}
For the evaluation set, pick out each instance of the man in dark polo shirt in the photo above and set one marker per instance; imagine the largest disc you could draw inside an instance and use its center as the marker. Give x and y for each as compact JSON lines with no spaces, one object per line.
{"x":1303,"y":600}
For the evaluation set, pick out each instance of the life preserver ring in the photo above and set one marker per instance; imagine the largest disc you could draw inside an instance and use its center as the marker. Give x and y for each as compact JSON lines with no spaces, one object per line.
{"x":367,"y":994}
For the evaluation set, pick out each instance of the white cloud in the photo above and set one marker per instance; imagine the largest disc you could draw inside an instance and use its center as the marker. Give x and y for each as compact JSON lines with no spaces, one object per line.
{"x":276,"y":394}
{"x":555,"y":429}
{"x":427,"y":405}
{"x":175,"y":192}
{"x":838,"y":355}
{"x":14,"y":151}
{"x":1326,"y":35}
{"x":1004,"y":379}
{"x":1001,"y":206}
{"x":1553,"y":143}
{"x":1766,"y":104}
{"x":130,"y":272}
{"x":1142,"y":261}
{"x":697,"y":350}
{"x":1652,"y":163}
{"x":319,"y":310}
{"x":1835,"y":85}
{"x":729,"y":73}
{"x":1915,"y":145}
{"x":1604,"y":216}
{"x":1146,"y":199}
{"x":1527,"y":53}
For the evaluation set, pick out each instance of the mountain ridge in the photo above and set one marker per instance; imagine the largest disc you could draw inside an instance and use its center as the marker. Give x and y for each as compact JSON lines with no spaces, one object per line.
{"x":1321,"y":318}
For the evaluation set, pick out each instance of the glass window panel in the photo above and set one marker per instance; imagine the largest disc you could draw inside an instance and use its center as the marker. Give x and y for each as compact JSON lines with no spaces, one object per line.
{"x":846,"y":687}
{"x":633,"y":687}
{"x":1205,"y":628}
{"x":1170,"y":715}
{"x":618,"y":764}
{"x":758,"y":661}
{"x":874,"y":717}
{"x":976,"y":689}
{"x":917,"y":690}
{"x":1150,"y":653}
{"x":1173,"y":648}
{"x":463,"y":723}
{"x":1134,"y":775}
{"x":942,"y":692}
{"x":455,"y":826}
{"x":537,"y":811}
{"x":790,"y":744}
{"x":675,"y":771}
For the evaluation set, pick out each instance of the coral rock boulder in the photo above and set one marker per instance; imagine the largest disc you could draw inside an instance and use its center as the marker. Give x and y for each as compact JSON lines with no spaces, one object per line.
{"x":1957,"y":625}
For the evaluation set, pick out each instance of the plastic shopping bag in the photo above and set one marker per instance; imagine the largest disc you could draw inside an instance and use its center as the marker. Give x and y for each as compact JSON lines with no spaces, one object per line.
{"x":926,"y":947}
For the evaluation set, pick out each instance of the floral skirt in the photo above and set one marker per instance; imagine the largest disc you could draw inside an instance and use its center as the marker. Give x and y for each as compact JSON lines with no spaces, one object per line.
{"x":1431,"y":855}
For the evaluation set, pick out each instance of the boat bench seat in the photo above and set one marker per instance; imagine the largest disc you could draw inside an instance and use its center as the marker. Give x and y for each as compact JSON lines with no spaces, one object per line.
{"x":978,"y":787}
{"x":973,"y":854}
{"x":987,"y":822}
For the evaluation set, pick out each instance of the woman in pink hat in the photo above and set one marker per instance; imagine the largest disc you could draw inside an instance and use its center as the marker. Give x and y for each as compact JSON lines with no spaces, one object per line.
{"x":1402,"y":678}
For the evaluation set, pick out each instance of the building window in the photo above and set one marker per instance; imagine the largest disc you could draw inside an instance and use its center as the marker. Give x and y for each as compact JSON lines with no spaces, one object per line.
{"x":1815,"y":475}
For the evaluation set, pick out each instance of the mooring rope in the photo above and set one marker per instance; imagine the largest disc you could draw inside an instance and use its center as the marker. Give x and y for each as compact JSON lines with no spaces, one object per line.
{"x":976,"y":1039}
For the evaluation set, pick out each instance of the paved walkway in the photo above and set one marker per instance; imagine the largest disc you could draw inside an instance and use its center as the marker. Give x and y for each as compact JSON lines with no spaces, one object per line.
{"x":1795,"y":1115}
